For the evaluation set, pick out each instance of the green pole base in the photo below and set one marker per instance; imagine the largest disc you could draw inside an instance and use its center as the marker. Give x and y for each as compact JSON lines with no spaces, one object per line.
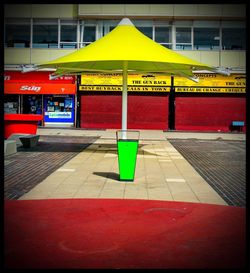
{"x":127,"y":154}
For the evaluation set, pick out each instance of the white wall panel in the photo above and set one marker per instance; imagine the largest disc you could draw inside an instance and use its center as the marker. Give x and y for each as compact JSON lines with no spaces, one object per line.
{"x":43,"y":55}
{"x":185,"y":10}
{"x":167,"y":10}
{"x":17,"y":56}
{"x":207,"y":10}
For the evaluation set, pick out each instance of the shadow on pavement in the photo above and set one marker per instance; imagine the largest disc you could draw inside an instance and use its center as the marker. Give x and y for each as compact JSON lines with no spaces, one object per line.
{"x":110,"y":175}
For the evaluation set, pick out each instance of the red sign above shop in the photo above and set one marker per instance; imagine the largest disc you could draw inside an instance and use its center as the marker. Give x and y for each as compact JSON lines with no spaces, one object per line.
{"x":39,"y":88}
{"x":16,"y":82}
{"x":40,"y":76}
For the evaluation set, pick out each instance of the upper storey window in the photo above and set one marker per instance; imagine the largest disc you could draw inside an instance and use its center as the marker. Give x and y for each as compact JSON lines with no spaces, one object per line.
{"x":17,"y":33}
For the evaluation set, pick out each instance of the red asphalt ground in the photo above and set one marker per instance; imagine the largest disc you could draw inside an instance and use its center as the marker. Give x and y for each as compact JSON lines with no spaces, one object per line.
{"x":122,"y":233}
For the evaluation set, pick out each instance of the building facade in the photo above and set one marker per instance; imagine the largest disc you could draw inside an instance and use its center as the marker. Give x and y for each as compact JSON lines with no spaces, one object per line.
{"x":213,"y":34}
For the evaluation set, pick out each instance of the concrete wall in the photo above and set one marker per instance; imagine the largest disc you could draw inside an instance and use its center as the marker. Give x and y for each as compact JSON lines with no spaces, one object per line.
{"x":118,"y":10}
{"x":36,"y":56}
{"x":165,"y":10}
{"x":41,"y":11}
{"x":179,"y":11}
{"x":32,"y":56}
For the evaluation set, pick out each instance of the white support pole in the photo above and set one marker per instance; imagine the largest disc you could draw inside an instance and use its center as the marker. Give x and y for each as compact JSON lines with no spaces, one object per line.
{"x":124,"y":99}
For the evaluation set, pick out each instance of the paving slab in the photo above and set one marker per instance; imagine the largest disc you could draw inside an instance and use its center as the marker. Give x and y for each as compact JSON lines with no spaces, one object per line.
{"x":222,"y":163}
{"x":28,"y":167}
{"x":162,"y":172}
{"x":154,"y":179}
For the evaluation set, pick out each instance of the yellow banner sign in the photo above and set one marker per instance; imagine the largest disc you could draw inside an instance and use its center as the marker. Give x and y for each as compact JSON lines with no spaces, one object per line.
{"x":119,"y":88}
{"x":208,"y":83}
{"x":209,"y":90}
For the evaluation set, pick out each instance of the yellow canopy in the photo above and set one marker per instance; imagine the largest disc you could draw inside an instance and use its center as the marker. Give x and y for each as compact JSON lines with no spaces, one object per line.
{"x":125,"y":49}
{"x":126,"y":43}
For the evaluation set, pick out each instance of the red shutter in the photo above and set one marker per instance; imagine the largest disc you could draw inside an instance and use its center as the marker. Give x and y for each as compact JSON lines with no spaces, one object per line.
{"x":102,"y":110}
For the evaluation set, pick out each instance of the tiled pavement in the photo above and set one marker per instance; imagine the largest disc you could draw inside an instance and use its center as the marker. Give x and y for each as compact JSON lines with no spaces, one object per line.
{"x":222,"y":163}
{"x":28,"y":167}
{"x":162,"y":173}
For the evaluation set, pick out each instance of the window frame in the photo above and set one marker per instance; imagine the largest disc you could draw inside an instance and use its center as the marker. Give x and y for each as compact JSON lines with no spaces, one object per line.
{"x":17,"y":22}
{"x":170,"y":29}
{"x":222,"y":40}
{"x":208,"y":47}
{"x":46,"y":22}
{"x":102,"y":26}
{"x":82,"y":25}
{"x":68,"y":45}
{"x":191,"y":44}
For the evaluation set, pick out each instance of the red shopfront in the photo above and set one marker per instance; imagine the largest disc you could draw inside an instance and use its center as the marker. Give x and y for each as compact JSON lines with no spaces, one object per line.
{"x":36,"y":93}
{"x":102,"y":110}
{"x":210,"y":105}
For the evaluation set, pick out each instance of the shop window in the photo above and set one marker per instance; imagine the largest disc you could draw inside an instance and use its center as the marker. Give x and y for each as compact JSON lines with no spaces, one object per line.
{"x":32,"y":104}
{"x":206,"y":38}
{"x":163,"y":35}
{"x":45,"y":36}
{"x":17,"y":36}
{"x":111,"y":28}
{"x":88,"y":35}
{"x":183,"y":38}
{"x":68,"y":36}
{"x":59,"y":109}
{"x":233,"y":39}
{"x":11,"y":104}
{"x":107,"y":26}
{"x":148,"y":31}
{"x":59,"y":104}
